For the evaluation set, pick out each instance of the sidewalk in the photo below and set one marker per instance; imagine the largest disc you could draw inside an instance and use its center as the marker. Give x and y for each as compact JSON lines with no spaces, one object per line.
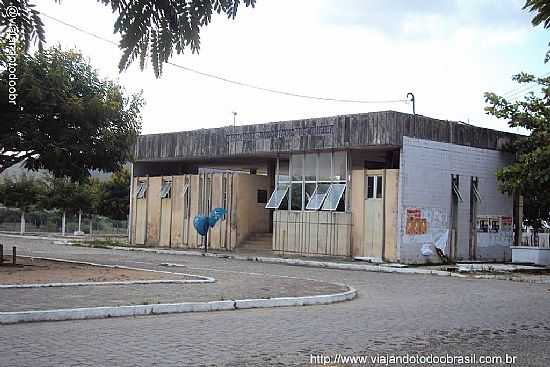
{"x":521,"y":273}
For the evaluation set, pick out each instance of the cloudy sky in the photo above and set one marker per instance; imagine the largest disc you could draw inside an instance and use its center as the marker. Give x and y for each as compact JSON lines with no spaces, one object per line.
{"x":448,"y":52}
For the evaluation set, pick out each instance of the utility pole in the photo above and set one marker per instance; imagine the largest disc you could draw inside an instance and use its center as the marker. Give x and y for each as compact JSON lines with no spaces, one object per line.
{"x":413,"y":101}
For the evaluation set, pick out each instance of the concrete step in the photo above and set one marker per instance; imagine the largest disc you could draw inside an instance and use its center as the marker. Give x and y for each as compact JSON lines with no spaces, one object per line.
{"x":260,"y":236}
{"x":255,"y":245}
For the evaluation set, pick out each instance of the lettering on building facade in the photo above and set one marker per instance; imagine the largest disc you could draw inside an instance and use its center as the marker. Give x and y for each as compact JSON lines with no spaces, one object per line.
{"x":282,"y":133}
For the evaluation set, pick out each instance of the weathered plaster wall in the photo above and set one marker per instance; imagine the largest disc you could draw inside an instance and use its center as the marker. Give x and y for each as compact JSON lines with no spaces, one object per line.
{"x":312,"y":233}
{"x":425,"y":183}
{"x":168,"y":222}
{"x":385,"y":128}
{"x":252,"y":216}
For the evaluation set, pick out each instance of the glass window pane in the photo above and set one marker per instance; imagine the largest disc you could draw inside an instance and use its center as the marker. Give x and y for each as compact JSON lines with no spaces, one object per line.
{"x":342,"y":204}
{"x":370,"y":187}
{"x":339,"y":166}
{"x":379,"y":187}
{"x":309,"y":190}
{"x":165,"y":189}
{"x":283,"y":175}
{"x":310,"y":167}
{"x":277,"y":196}
{"x":318,"y":197}
{"x":333,"y":196}
{"x":324,"y":166}
{"x":296,"y":196}
{"x":284,"y":203}
{"x":140,"y":191}
{"x":297,"y":167}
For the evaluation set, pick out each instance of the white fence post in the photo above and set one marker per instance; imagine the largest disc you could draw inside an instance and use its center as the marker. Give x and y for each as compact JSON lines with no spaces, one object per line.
{"x":63,"y":224}
{"x":22,"y":228}
{"x":79,"y":220}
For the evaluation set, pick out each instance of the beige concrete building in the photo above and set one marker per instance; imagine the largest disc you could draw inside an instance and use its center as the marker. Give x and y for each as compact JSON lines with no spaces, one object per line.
{"x":386,"y":185}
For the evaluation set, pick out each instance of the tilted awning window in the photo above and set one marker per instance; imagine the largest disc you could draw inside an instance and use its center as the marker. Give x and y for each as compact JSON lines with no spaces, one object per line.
{"x":334,"y":195}
{"x":277,"y":197}
{"x":141,"y":190}
{"x":166,"y":189}
{"x":477,"y":195}
{"x":318,"y":197}
{"x":456,"y":191}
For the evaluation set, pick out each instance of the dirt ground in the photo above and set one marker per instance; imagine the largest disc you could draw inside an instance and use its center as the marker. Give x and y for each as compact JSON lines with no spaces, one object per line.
{"x":31,"y":271}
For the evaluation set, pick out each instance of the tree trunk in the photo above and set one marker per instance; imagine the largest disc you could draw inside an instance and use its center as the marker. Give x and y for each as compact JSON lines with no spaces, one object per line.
{"x":22,"y":228}
{"x":63,"y":224}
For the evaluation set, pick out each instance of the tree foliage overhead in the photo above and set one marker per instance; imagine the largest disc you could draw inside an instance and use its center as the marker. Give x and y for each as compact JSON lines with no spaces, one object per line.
{"x":149,"y":29}
{"x":529,"y":176}
{"x":541,"y":8}
{"x":66,"y":120}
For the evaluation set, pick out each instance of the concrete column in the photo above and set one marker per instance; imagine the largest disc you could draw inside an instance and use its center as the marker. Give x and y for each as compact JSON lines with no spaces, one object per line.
{"x":271,"y":168}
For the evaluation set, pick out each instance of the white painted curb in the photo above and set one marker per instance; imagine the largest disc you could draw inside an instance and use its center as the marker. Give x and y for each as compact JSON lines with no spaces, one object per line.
{"x":165,"y":308}
{"x":299,"y":262}
{"x":201,"y":278}
{"x":276,"y":260}
{"x":87,"y":284}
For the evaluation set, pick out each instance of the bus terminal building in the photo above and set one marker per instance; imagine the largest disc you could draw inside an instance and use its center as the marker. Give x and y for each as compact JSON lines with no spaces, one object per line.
{"x":383,"y":185}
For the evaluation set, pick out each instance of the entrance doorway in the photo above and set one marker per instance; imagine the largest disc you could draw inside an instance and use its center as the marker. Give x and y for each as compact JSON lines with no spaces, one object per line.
{"x":374,"y":214}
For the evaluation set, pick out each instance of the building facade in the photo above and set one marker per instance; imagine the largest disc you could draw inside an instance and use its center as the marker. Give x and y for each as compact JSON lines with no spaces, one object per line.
{"x":383,"y":185}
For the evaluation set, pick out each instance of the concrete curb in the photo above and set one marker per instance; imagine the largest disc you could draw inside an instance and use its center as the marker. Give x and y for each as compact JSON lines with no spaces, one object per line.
{"x":201,"y":278}
{"x":87,"y":284}
{"x":299,"y":262}
{"x":166,"y":308}
{"x":276,"y":260}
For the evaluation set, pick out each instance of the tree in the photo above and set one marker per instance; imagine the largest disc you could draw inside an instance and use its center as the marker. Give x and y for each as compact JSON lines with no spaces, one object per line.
{"x":22,"y":193}
{"x":115,"y":197}
{"x":69,"y":197}
{"x":529,"y":175}
{"x":148,"y":28}
{"x":66,"y":119}
{"x":542,"y":10}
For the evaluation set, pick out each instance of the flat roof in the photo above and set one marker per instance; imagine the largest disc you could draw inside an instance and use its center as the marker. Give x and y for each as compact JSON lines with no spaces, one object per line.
{"x":384,"y":129}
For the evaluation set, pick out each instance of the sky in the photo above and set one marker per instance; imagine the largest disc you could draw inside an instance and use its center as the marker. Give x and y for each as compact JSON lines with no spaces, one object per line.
{"x":447,"y":52}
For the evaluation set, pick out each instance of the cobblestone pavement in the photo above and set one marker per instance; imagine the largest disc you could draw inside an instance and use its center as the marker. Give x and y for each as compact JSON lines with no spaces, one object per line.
{"x":228,"y":285}
{"x":393,"y":314}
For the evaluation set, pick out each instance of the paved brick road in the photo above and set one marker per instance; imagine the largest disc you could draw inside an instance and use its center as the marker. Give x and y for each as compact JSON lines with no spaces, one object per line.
{"x":394,"y":313}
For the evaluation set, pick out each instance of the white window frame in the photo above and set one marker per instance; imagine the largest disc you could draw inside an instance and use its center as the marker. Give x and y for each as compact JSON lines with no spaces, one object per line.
{"x":328,"y":180}
{"x":166,"y":189}
{"x":456,"y":189}
{"x":375,"y":179}
{"x":475,"y":189}
{"x":309,"y":205}
{"x":141,"y":190}
{"x":277,"y":204}
{"x":334,"y":186}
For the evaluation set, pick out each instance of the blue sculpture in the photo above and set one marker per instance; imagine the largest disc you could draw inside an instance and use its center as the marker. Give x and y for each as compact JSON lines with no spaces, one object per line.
{"x":203,"y":223}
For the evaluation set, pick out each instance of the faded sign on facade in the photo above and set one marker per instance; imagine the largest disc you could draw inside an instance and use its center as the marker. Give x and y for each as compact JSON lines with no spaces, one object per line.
{"x":493,"y":223}
{"x":416,"y":224}
{"x":426,"y":226}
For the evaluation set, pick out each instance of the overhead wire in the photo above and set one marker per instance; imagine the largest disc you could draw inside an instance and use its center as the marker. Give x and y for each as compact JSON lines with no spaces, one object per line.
{"x":236,"y":82}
